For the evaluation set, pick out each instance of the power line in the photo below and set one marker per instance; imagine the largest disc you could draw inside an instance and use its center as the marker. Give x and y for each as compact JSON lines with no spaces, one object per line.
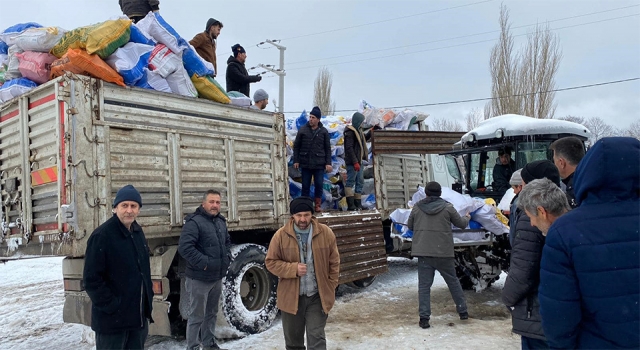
{"x":463,"y":36}
{"x":385,"y":20}
{"x":451,"y":46}
{"x":501,"y":97}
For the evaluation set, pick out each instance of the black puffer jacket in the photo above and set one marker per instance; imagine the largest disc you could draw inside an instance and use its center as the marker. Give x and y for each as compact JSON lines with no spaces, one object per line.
{"x":117,"y":277}
{"x":205,"y":245}
{"x":520,"y":291}
{"x":312,"y":148}
{"x":238,"y":79}
{"x":138,"y":7}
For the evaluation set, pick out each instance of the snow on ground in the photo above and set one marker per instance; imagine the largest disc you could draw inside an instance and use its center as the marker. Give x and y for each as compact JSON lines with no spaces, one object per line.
{"x":382,"y":316}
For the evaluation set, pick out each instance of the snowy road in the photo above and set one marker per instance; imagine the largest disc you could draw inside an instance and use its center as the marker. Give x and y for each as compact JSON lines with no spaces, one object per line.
{"x":383,"y":316}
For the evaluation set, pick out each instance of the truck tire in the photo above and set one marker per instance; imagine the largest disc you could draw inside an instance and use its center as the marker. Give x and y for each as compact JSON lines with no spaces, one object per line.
{"x":362,"y":283}
{"x":249,"y":290}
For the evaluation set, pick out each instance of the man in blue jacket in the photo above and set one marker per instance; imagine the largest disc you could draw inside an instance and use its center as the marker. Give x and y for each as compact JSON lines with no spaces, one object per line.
{"x":590,"y":270}
{"x":117,"y":276}
{"x":205,"y":245}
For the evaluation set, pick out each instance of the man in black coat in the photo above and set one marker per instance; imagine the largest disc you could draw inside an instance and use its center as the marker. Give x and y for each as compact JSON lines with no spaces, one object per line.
{"x":138,"y":9}
{"x":502,"y":172}
{"x":238,"y":79}
{"x":567,"y":153}
{"x":520,"y":292}
{"x":206,"y":246}
{"x":117,"y":276}
{"x":312,"y":155}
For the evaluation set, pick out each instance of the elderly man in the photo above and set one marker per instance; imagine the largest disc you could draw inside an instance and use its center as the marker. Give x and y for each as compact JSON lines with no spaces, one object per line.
{"x":117,"y":276}
{"x":567,"y":153}
{"x":304,"y":255}
{"x":205,"y":42}
{"x":205,"y":245}
{"x":543,"y":202}
{"x":590,"y":270}
{"x":260,"y":100}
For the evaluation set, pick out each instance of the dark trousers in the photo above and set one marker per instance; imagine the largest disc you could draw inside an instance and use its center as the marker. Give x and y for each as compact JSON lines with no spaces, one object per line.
{"x":533,"y":343}
{"x":310,"y":317}
{"x":318,"y":179}
{"x":427,"y":267}
{"x":123,"y":340}
{"x":136,"y":19}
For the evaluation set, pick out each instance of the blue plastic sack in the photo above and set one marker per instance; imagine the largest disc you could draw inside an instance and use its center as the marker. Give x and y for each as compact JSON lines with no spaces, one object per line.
{"x":143,"y":82}
{"x":474,"y":225}
{"x":4,"y":48}
{"x":15,"y":87}
{"x":302,"y":119}
{"x":133,"y":75}
{"x":139,"y":38}
{"x":193,"y":63}
{"x":21,"y":27}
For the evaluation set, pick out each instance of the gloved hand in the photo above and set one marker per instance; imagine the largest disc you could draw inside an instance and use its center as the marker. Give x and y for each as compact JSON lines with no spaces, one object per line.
{"x":356,"y":166}
{"x":259,"y":77}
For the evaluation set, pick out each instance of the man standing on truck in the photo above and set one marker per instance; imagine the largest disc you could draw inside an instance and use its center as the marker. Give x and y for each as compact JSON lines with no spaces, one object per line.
{"x":117,"y":276}
{"x":238,"y":79}
{"x":304,"y":255}
{"x":138,"y":9}
{"x":503,"y":170}
{"x":355,"y":150}
{"x":312,"y":155}
{"x":205,"y":42}
{"x":431,"y":220}
{"x":567,"y":153}
{"x":520,"y":292}
{"x":205,"y":244}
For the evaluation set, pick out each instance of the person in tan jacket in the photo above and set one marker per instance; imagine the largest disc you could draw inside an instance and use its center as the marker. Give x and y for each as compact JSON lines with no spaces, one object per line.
{"x":205,"y":42}
{"x":304,"y":255}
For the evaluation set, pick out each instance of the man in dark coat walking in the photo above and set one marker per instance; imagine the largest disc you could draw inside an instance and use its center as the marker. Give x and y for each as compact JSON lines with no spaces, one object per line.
{"x":520,"y":292}
{"x":138,"y":9}
{"x":431,"y":220}
{"x":355,"y":151}
{"x":590,"y":271}
{"x":238,"y":79}
{"x":567,"y":153}
{"x":206,"y":246}
{"x":312,"y":155}
{"x":205,"y":42}
{"x":117,"y":276}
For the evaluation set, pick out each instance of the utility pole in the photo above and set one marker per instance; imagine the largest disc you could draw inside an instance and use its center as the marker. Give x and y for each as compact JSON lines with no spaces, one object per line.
{"x":280,"y":72}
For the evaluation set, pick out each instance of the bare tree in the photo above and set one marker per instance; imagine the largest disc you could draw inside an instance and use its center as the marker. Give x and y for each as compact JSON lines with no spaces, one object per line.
{"x":599,"y":128}
{"x":322,"y":92}
{"x":441,"y":124}
{"x":574,"y":118}
{"x":633,"y":130}
{"x":473,"y":118}
{"x":521,"y":83}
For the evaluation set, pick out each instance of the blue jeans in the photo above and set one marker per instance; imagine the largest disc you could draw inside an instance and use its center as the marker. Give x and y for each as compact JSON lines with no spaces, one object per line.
{"x":533,"y":343}
{"x":318,"y":179}
{"x":355,"y":178}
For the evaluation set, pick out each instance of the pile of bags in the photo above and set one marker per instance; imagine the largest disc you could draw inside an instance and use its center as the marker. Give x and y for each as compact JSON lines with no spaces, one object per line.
{"x":333,"y":187}
{"x":149,"y":54}
{"x":484,"y":214}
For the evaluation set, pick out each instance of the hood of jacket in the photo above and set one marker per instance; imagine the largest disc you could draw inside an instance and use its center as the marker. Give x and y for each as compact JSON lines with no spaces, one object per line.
{"x":232,"y":59}
{"x":609,"y":172}
{"x":432,"y":205}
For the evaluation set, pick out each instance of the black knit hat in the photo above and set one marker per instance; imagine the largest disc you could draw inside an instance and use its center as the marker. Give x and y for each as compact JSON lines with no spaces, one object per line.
{"x":237,"y":49}
{"x":540,"y":169}
{"x":433,"y":189}
{"x":315,"y":111}
{"x":301,"y":204}
{"x":127,"y":193}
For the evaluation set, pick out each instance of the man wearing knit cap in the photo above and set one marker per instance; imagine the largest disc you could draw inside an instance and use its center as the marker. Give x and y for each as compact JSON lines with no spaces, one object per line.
{"x":567,"y":153}
{"x":138,"y":9}
{"x":431,"y":220}
{"x":117,"y":276}
{"x":355,"y":151}
{"x":260,"y":100}
{"x":205,"y":42}
{"x":304,"y":255}
{"x":520,"y":292}
{"x":238,"y":78}
{"x":312,"y":155}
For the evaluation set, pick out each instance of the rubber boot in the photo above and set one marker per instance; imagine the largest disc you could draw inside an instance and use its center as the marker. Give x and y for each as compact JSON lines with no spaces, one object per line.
{"x":350,"y":199}
{"x":357,"y":198}
{"x":318,"y":207}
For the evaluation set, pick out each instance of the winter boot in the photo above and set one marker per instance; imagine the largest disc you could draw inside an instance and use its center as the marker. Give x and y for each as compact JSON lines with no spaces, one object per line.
{"x":350,"y":200}
{"x":358,"y":201}
{"x":318,"y":207}
{"x":464,"y":315}
{"x":424,"y":322}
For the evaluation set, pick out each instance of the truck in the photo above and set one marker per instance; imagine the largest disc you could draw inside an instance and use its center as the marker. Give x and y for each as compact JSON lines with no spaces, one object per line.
{"x":67,"y":146}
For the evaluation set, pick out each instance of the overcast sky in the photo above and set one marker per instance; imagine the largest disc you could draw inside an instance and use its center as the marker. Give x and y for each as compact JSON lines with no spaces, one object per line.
{"x":398,"y":53}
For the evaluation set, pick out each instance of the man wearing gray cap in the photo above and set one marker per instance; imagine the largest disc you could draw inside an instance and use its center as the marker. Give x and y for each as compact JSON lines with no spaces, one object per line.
{"x":260,"y":100}
{"x":117,"y":276}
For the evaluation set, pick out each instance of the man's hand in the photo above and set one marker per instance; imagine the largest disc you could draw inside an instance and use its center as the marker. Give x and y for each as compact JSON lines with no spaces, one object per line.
{"x":328,"y":168}
{"x":302,"y":269}
{"x":259,"y":77}
{"x":296,"y":165}
{"x":356,"y":166}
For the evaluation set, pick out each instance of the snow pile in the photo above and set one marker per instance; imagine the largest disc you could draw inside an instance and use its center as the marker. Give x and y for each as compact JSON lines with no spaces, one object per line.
{"x":515,"y":125}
